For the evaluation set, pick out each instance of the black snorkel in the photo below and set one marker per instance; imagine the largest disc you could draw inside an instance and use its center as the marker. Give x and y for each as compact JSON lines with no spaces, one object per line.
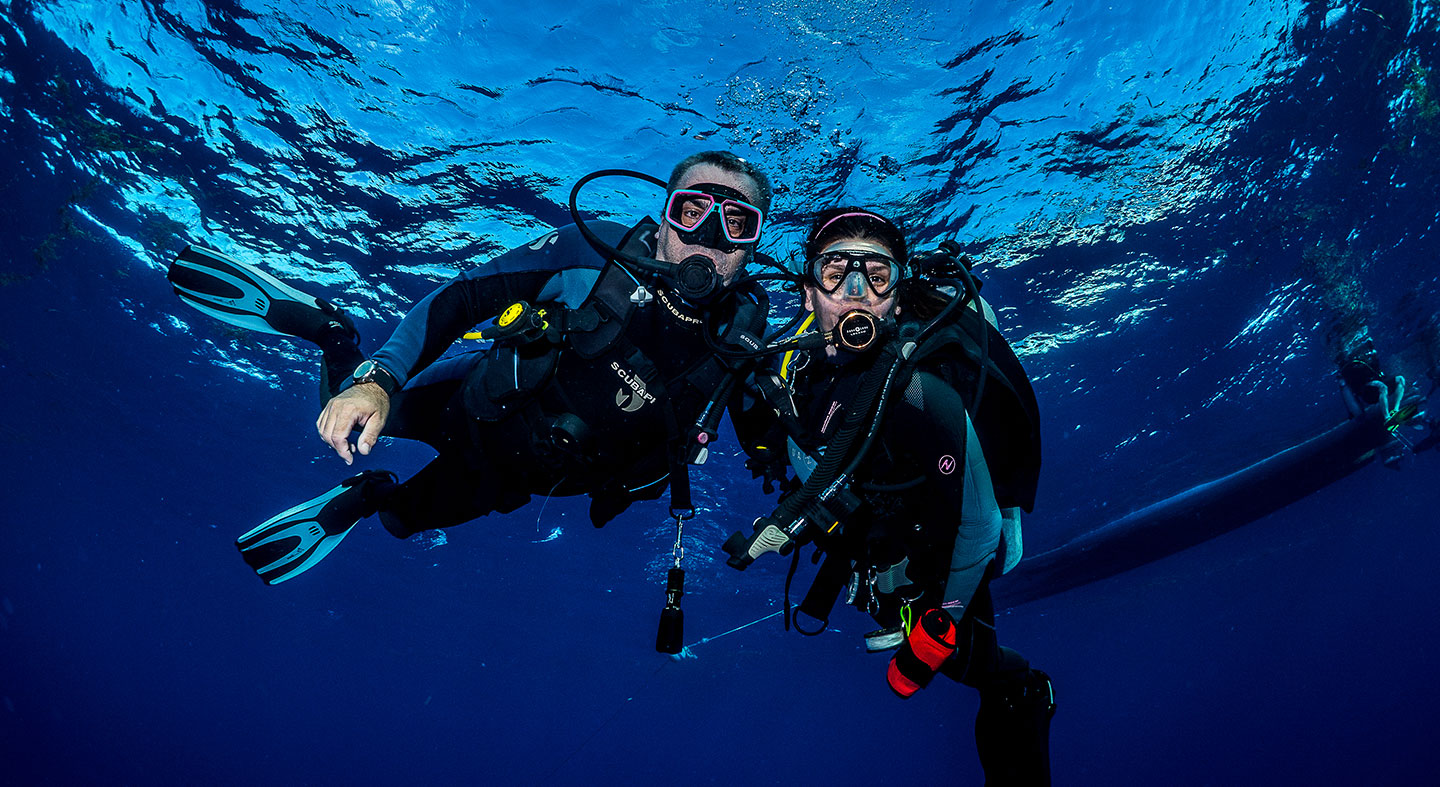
{"x":693,"y":278}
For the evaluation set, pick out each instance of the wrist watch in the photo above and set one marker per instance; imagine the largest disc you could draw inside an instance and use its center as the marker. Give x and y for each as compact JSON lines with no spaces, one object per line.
{"x":371,"y":372}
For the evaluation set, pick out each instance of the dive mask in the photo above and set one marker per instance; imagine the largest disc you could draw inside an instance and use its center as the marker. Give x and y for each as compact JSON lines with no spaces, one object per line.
{"x":714,"y":216}
{"x":852,"y":267}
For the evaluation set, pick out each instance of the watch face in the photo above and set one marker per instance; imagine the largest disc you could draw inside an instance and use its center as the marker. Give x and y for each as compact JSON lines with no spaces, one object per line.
{"x":363,"y":369}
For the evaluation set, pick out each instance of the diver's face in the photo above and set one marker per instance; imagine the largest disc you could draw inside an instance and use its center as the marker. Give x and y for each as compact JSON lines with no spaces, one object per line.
{"x":670,"y":248}
{"x":829,"y":307}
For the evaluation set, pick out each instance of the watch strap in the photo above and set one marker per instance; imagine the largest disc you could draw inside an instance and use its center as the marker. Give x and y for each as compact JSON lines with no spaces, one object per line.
{"x":377,"y":374}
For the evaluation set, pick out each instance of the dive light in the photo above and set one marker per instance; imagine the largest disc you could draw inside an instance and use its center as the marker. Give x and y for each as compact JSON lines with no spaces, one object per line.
{"x":672,"y":618}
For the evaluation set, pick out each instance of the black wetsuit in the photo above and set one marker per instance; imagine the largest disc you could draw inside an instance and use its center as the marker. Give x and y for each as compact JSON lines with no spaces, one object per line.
{"x":908,"y":545}
{"x":929,"y":534}
{"x":596,"y":413}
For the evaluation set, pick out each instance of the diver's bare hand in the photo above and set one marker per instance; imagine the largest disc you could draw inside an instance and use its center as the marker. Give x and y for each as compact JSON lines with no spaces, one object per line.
{"x":365,"y":405}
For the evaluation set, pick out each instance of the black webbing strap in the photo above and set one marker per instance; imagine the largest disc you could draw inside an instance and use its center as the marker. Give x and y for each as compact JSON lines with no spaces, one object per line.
{"x":679,"y":484}
{"x":789,"y":577}
{"x":681,"y":506}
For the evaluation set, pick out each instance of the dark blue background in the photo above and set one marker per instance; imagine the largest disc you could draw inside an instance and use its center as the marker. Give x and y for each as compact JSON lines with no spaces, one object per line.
{"x":1173,"y":338}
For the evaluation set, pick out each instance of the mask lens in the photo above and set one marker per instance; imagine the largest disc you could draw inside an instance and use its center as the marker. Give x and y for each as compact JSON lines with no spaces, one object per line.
{"x":742,"y":221}
{"x":688,"y":208}
{"x":878,"y":273}
{"x":830,"y":275}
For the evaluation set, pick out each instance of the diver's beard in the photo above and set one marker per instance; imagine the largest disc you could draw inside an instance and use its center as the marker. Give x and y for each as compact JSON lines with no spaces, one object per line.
{"x":737,"y":271}
{"x":728,"y":273}
{"x":670,"y":247}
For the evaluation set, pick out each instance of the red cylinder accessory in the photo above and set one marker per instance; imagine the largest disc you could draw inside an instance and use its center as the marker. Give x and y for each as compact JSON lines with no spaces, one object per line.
{"x":920,"y":657}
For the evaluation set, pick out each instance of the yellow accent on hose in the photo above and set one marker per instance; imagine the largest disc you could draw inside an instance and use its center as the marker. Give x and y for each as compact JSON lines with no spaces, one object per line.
{"x":906,"y":619}
{"x":785,"y":363}
{"x":511,"y":312}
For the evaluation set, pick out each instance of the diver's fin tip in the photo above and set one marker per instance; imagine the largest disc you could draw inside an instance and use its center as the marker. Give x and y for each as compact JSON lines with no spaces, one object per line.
{"x":247,"y":297}
{"x":296,"y":540}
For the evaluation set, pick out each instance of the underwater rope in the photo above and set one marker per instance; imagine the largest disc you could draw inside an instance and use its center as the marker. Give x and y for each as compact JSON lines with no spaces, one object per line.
{"x":682,"y":655}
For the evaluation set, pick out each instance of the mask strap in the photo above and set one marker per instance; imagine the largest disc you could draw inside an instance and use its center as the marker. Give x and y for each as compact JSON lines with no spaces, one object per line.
{"x":857,"y":214}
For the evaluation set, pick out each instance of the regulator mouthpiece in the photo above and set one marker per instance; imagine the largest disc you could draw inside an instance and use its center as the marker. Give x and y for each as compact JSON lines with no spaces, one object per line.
{"x":695,"y":278}
{"x":857,"y":331}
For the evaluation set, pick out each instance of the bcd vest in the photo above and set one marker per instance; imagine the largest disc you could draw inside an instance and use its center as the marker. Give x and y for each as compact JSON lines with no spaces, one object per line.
{"x":600,"y":401}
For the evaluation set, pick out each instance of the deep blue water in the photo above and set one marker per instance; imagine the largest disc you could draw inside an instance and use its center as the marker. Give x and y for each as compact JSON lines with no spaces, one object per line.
{"x":1182,"y":210}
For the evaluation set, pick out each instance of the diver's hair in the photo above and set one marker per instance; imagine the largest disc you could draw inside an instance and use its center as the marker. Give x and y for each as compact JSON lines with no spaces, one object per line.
{"x":914,"y":295}
{"x":729,"y":162}
{"x":853,"y":222}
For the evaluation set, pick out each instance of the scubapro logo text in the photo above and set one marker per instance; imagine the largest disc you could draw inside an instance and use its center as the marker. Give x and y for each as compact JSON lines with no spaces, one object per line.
{"x":634,"y":398}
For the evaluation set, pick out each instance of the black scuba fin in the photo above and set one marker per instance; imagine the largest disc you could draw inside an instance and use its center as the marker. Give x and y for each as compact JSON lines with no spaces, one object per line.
{"x":293,"y":541}
{"x":1012,"y":730}
{"x":247,"y":297}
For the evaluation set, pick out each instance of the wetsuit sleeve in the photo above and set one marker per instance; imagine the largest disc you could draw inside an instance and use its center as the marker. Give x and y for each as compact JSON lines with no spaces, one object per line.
{"x":955,"y":505}
{"x":559,"y":267}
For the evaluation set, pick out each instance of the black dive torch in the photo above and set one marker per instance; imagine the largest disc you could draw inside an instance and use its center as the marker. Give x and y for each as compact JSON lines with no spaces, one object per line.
{"x":672,"y":618}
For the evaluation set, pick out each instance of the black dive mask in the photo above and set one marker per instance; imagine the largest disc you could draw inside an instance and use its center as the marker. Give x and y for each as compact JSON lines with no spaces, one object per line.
{"x":714,"y":216}
{"x":694,"y":278}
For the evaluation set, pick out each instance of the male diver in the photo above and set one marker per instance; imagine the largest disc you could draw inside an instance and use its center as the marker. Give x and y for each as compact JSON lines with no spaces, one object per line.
{"x":601,"y":379}
{"x":914,"y":438}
